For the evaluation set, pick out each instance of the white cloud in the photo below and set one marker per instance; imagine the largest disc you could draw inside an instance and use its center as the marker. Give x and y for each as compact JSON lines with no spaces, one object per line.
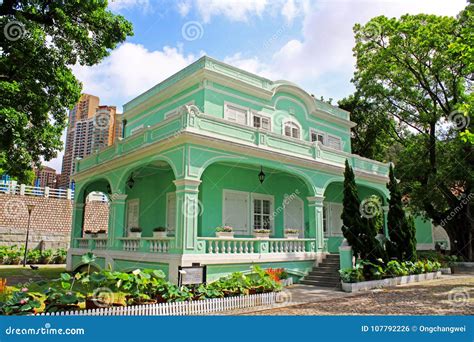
{"x":327,"y":39}
{"x":184,"y":8}
{"x":130,"y":70}
{"x":233,"y":10}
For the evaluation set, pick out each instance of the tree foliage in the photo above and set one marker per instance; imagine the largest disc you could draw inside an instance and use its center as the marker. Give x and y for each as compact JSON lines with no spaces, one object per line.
{"x":418,"y":69}
{"x":401,"y":229}
{"x":375,"y":131}
{"x":359,"y":231}
{"x":40,"y":41}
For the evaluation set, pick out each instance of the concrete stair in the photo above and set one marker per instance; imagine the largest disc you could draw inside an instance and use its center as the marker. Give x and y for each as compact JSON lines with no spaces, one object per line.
{"x":326,"y":274}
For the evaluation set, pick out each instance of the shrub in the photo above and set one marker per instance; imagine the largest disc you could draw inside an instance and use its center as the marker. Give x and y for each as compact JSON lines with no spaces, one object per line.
{"x":352,"y":275}
{"x":136,"y":230}
{"x":396,"y":269}
{"x":20,"y":303}
{"x":159,"y":229}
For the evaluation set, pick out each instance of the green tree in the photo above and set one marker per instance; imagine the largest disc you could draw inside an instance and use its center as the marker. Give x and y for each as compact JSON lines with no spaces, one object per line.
{"x":40,"y":41}
{"x":375,"y":131}
{"x":401,"y":229}
{"x":359,"y":231}
{"x":410,"y":67}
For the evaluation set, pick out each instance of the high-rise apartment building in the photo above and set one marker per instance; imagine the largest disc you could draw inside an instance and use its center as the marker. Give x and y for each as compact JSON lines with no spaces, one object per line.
{"x":91,"y":128}
{"x":47,"y":176}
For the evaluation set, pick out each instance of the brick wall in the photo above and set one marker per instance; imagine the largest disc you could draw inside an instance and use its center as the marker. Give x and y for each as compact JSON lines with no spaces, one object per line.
{"x":50,"y":220}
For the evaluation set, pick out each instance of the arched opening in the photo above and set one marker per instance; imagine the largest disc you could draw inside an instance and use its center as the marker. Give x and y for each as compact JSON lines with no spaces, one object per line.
{"x":232,"y":194}
{"x":372,"y":203}
{"x":150,"y":203}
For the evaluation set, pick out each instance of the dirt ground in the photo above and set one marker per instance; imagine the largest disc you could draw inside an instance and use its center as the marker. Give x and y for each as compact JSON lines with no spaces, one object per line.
{"x":451,"y":295}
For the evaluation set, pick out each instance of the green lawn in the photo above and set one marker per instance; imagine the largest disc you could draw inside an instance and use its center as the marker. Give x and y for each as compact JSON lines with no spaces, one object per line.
{"x":17,"y":275}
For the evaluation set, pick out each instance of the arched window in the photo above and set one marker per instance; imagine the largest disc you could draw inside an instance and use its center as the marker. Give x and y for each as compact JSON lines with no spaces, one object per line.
{"x":291,"y":129}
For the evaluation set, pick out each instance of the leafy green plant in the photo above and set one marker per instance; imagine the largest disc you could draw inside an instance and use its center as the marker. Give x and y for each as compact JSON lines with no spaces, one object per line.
{"x":396,"y":269}
{"x":352,"y":275}
{"x":59,"y":299}
{"x":225,"y":229}
{"x":20,"y":303}
{"x":159,"y":229}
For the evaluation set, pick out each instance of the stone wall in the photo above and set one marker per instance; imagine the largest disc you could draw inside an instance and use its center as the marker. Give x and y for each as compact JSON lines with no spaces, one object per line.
{"x":50,"y":220}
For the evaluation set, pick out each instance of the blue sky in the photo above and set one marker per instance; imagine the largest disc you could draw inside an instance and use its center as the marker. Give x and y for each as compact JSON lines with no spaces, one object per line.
{"x":306,"y":42}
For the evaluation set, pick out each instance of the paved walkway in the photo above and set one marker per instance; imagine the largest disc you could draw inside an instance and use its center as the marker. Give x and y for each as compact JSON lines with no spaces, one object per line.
{"x":450,"y":295}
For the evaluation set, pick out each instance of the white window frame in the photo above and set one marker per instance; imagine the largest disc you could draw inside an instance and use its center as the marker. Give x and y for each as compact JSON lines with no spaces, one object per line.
{"x":129,"y":202}
{"x":168,"y":195}
{"x":228,"y":192}
{"x":317,"y":132}
{"x":258,"y":196}
{"x":261,"y":116}
{"x":136,"y":129}
{"x":292,"y":122}
{"x":246,"y":109}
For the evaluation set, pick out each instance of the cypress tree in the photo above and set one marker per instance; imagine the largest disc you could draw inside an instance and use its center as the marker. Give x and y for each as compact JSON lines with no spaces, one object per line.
{"x":401,"y":229}
{"x":359,"y":231}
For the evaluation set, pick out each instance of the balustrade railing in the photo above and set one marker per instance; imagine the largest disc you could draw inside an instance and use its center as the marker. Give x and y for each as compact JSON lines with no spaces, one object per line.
{"x":253,"y":245}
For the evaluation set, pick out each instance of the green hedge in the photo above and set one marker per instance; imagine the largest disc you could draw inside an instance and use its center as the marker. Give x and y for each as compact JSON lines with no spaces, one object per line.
{"x":365,"y":270}
{"x":13,"y":255}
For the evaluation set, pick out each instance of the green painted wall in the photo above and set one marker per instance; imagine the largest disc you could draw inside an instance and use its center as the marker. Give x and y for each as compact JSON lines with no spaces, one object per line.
{"x":155,"y":114}
{"x":295,"y":268}
{"x":218,"y":177}
{"x":151,"y":187}
{"x":127,"y":266}
{"x":423,"y":230}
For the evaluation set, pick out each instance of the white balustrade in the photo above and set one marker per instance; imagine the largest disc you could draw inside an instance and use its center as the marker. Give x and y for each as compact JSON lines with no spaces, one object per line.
{"x":130,"y":244}
{"x":230,"y":246}
{"x":287,"y":245}
{"x":251,"y":245}
{"x":100,"y":243}
{"x":159,"y":245}
{"x":82,"y":243}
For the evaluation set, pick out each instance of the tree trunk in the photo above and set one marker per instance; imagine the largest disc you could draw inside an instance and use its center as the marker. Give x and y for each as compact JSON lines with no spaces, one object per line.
{"x":460,"y":232}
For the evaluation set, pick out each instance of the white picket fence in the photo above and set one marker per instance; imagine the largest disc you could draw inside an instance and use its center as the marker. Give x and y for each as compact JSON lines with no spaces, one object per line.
{"x":199,"y":307}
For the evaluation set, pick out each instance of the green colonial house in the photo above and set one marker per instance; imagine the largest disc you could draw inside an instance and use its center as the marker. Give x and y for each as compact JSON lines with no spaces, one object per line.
{"x":214,"y":145}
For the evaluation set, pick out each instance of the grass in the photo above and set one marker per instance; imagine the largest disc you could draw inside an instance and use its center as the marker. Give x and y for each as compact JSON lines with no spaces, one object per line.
{"x":18,"y":275}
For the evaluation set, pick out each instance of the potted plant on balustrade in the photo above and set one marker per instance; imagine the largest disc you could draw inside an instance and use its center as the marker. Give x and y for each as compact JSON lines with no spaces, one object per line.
{"x":225,"y":232}
{"x":159,"y":232}
{"x":262,"y":233}
{"x":102,"y":234}
{"x":88,"y":234}
{"x":291,"y":233}
{"x":135,"y":232}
